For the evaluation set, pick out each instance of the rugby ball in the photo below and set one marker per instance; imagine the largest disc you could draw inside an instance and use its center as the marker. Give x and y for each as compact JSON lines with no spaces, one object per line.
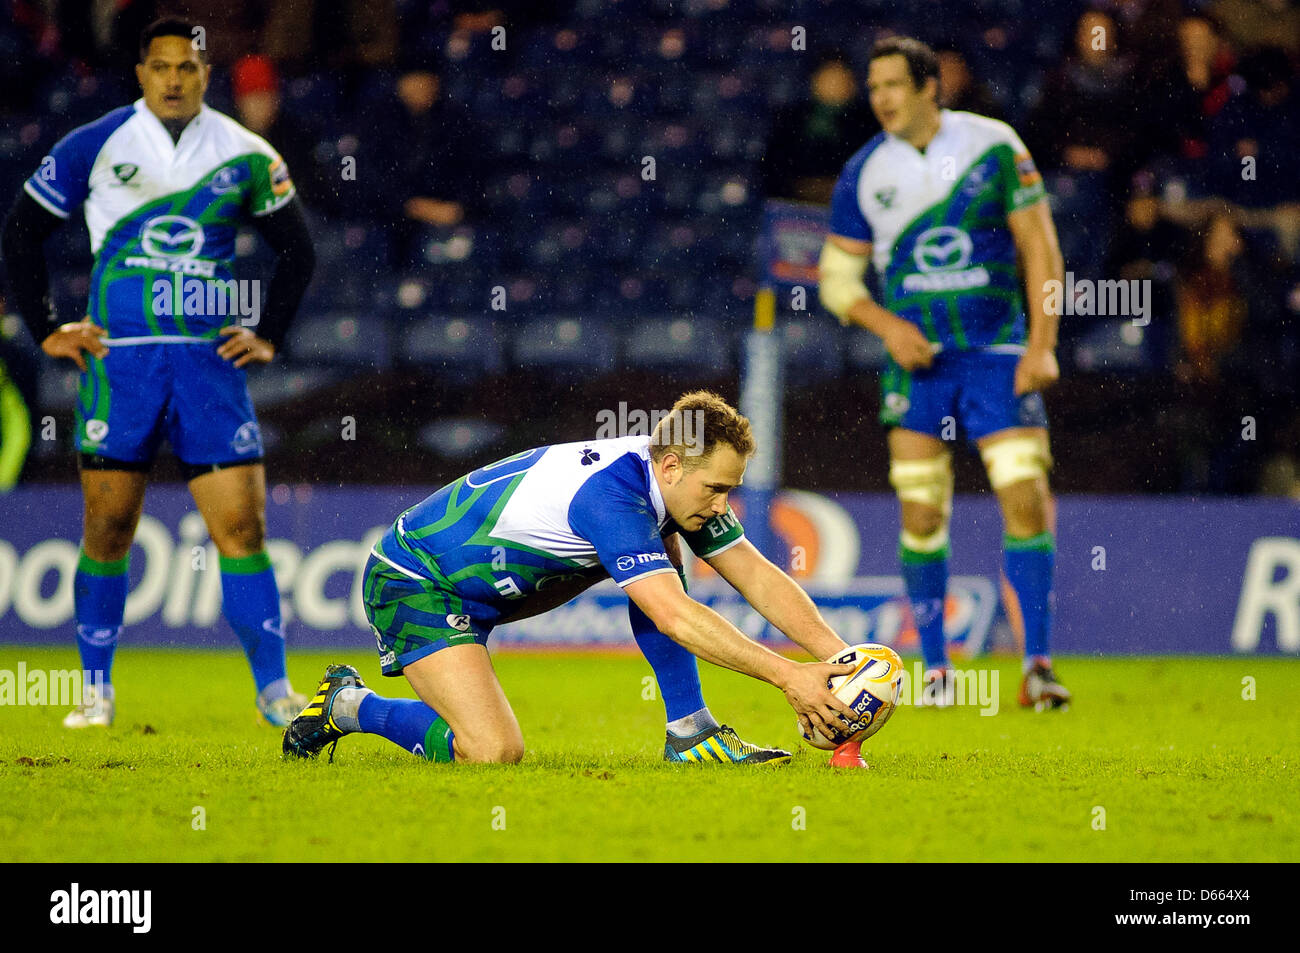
{"x":872,"y":689}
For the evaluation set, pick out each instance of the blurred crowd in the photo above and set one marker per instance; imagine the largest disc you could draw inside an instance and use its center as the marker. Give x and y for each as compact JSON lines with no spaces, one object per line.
{"x":441,"y":154}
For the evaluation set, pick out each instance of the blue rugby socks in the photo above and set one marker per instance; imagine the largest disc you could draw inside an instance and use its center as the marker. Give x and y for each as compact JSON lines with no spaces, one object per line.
{"x":926,"y":578}
{"x":1029,"y":565}
{"x":251,"y":603}
{"x":99,"y":597}
{"x":406,"y":722}
{"x":677,"y":672}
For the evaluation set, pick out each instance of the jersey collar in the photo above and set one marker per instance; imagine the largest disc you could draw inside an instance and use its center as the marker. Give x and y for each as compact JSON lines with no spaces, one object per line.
{"x":656,"y":497}
{"x":161,"y":138}
{"x":945,"y":126}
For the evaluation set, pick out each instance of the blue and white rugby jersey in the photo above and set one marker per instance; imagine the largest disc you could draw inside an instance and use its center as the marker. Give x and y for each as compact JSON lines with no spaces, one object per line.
{"x":937,"y":222}
{"x":556,"y":514}
{"x":158,"y":208}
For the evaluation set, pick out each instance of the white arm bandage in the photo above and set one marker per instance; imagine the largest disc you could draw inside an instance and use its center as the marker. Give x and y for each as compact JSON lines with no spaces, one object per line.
{"x":840,"y":280}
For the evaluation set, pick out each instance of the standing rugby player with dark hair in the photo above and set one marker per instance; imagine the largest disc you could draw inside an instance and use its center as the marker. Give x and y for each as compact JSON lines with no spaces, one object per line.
{"x":165,"y":183}
{"x":951,"y":211}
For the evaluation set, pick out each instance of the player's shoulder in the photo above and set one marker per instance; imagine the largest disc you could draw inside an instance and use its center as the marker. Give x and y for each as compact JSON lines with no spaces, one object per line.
{"x":859,"y":158}
{"x":239,"y":137}
{"x":601,"y":471}
{"x":617,"y":458}
{"x":985,"y":128}
{"x":88,"y":139}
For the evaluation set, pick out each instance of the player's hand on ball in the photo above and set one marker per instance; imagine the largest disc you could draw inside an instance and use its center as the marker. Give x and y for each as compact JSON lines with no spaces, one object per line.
{"x":244,"y":347}
{"x":806,"y":691}
{"x":69,"y":340}
{"x":909,"y":348}
{"x":1036,"y":370}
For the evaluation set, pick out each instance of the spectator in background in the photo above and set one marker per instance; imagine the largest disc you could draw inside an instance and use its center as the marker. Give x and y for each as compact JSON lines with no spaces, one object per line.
{"x":810,"y":141}
{"x":347,"y":37}
{"x":1253,"y":23}
{"x":959,"y":89}
{"x":255,"y":86}
{"x":1212,"y":303}
{"x":1085,"y":119}
{"x":1229,"y":356}
{"x":1149,"y":247}
{"x":1185,"y":93}
{"x":1260,"y":123}
{"x":430,"y":159}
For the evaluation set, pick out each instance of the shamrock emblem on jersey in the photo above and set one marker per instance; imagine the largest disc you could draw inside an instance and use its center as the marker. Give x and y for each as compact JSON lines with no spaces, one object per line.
{"x":589,"y":457}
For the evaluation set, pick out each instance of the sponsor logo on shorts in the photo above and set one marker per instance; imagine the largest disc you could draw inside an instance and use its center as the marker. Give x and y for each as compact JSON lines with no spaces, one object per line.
{"x":96,"y":430}
{"x":458,"y":622}
{"x":246,"y":438}
{"x":897,"y":403}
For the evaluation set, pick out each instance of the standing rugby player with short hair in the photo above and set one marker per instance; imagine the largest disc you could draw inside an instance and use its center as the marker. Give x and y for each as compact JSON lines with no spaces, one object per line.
{"x":950,"y":209}
{"x":165,"y":183}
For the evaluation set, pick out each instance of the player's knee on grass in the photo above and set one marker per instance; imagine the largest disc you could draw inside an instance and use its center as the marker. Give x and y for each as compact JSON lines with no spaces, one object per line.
{"x":490,"y":747}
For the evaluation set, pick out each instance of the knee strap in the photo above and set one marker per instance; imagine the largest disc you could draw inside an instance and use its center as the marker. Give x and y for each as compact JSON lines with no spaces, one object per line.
{"x":924,"y":481}
{"x":1014,"y":459}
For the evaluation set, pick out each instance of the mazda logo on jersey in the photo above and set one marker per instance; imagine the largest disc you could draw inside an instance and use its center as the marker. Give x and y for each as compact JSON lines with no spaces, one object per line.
{"x":172,"y":236}
{"x":942,"y":249}
{"x":942,"y":254}
{"x":625,"y":563}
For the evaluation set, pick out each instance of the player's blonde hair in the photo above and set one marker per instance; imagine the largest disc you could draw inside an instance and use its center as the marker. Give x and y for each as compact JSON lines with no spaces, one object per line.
{"x":698,"y":422}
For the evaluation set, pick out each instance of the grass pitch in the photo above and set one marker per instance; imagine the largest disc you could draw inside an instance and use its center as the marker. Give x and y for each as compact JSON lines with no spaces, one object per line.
{"x":1183,"y":767}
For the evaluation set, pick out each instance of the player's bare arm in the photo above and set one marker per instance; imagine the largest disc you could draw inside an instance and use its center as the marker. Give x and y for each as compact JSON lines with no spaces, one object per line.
{"x":778,"y":598}
{"x":1039,"y":254}
{"x":842,"y":265}
{"x":711,"y":637}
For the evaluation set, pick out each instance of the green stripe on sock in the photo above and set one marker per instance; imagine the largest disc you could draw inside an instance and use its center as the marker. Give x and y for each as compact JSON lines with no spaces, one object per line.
{"x":912,"y":558}
{"x":245,"y":565}
{"x":94,"y":567}
{"x":437,"y":741}
{"x":1043,"y":541}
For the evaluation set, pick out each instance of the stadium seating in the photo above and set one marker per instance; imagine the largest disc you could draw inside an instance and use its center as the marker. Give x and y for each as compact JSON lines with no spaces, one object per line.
{"x":347,"y":339}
